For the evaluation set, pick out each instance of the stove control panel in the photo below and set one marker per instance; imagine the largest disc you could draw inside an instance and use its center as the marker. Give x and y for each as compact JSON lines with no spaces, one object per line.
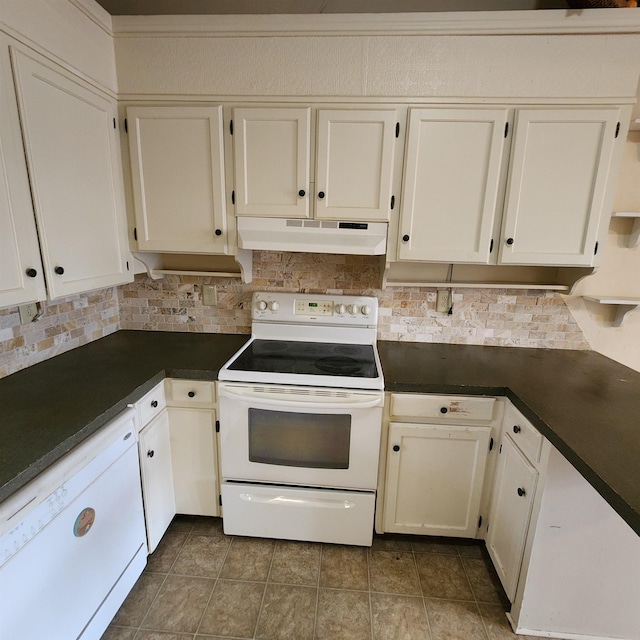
{"x":336,"y":310}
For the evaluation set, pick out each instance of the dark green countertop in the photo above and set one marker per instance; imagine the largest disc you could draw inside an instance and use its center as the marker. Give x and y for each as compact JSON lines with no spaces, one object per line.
{"x":587,"y":405}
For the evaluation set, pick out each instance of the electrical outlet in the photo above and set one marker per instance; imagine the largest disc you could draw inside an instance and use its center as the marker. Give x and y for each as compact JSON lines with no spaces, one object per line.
{"x":28,"y":312}
{"x":209,"y":295}
{"x":443,"y":301}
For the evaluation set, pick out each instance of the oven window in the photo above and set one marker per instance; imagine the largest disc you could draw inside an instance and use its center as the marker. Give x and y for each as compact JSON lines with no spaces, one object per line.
{"x":318,"y":441}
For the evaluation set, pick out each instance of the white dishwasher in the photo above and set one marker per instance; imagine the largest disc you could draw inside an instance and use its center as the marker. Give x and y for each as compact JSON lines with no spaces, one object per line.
{"x":72,"y":542}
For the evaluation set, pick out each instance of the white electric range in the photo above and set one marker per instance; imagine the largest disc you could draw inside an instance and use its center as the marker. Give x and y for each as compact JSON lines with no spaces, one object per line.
{"x":300,"y":420}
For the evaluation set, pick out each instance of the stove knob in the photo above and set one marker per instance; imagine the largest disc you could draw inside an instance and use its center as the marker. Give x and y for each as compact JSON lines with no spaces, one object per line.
{"x":366,"y":310}
{"x":262,"y":305}
{"x":340,"y":309}
{"x":353,"y":309}
{"x":274,"y":306}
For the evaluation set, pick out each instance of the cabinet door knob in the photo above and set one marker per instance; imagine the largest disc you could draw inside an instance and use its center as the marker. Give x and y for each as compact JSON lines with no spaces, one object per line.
{"x":509,"y":241}
{"x":191,"y":394}
{"x":443,"y":410}
{"x":302,"y":193}
{"x":521,"y":492}
{"x":154,"y":403}
{"x":396,"y":447}
{"x":152,"y":453}
{"x":59,"y":270}
{"x":405,"y":238}
{"x":32,"y":273}
{"x":516,"y":429}
{"x":321,"y":195}
{"x":218,"y":232}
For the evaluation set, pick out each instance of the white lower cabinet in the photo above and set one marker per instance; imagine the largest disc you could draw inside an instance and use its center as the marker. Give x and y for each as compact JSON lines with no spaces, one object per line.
{"x":192,"y":419}
{"x":435,"y":476}
{"x":438,"y":464}
{"x":513,"y":495}
{"x":193,"y":454}
{"x":157,"y":478}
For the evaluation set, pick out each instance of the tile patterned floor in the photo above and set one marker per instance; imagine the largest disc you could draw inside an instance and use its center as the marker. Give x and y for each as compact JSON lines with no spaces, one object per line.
{"x":200,"y":584}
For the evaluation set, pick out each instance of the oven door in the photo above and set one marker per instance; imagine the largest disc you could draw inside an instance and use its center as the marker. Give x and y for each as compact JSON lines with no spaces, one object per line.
{"x":304,"y":436}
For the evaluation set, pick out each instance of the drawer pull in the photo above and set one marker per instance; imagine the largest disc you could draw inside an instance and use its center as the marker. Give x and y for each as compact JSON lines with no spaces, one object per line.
{"x":521,"y":492}
{"x":154,"y":403}
{"x":191,"y":394}
{"x":444,"y":410}
{"x":516,"y":429}
{"x":152,"y":453}
{"x":396,"y":447}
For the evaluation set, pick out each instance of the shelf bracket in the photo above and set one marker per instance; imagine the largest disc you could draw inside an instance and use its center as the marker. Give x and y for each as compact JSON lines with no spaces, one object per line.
{"x":623,"y":306}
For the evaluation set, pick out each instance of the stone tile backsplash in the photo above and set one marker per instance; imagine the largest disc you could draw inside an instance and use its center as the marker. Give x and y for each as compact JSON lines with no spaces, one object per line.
{"x":503,"y":317}
{"x":64,"y":324}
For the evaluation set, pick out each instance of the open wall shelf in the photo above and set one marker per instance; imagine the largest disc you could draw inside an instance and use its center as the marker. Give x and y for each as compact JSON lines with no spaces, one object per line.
{"x":623,"y":306}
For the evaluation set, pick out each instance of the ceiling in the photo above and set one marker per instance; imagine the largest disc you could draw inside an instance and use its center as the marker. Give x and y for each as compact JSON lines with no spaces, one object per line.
{"x":203,"y":7}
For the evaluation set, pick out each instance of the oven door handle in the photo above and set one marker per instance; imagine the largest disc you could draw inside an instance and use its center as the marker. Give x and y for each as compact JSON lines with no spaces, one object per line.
{"x":365,"y":403}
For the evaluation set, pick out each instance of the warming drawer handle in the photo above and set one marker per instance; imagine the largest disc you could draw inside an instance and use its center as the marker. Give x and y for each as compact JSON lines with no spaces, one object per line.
{"x":288,"y":501}
{"x":311,"y":404}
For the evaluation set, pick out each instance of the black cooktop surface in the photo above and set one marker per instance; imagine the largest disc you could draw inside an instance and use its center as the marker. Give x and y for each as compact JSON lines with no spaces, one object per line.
{"x":312,"y":358}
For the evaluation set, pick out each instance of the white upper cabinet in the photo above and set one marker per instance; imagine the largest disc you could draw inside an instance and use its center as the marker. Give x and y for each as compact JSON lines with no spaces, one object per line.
{"x":559,"y":174}
{"x":354,"y":170}
{"x":271,"y":161}
{"x":76,"y":177}
{"x":21,"y":273}
{"x":464,"y":203}
{"x":453,"y":169}
{"x":354,"y":163}
{"x":177,"y":172}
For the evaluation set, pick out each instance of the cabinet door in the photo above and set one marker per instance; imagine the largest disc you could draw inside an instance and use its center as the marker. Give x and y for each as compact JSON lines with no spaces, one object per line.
{"x":558,"y":180}
{"x":157,"y":478}
{"x":354,"y":171}
{"x":193,"y":454}
{"x":513,"y":495}
{"x":177,"y":165}
{"x":451,"y":191}
{"x":434,"y":479}
{"x":272,"y":151}
{"x":72,"y":153}
{"x":19,"y":251}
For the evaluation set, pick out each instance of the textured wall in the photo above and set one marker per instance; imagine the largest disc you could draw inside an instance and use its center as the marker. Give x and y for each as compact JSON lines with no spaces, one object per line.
{"x":509,"y":66}
{"x":65,"y":324}
{"x":480,"y":316}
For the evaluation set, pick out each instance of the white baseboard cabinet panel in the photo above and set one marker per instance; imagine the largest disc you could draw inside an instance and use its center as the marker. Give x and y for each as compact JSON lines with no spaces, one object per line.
{"x":582,"y":578}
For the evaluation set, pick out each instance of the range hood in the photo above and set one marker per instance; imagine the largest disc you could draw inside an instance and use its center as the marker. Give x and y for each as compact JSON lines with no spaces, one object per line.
{"x":312,"y":236}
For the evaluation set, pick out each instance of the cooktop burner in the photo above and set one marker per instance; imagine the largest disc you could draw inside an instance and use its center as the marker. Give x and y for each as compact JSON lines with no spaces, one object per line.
{"x":312,"y":358}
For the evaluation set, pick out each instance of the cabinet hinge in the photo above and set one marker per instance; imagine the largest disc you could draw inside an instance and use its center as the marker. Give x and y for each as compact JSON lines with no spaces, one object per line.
{"x":595,"y":249}
{"x":506,"y":129}
{"x":491,"y":246}
{"x":220,"y":500}
{"x":217,"y":426}
{"x":126,"y":126}
{"x":490,"y":444}
{"x":233,"y":197}
{"x":127,"y":265}
{"x":231,"y":127}
{"x":500,"y":450}
{"x":397,"y":129}
{"x":135,"y":233}
{"x":479,"y":522}
{"x":393,"y":202}
{"x":114,"y":123}
{"x":617,"y":129}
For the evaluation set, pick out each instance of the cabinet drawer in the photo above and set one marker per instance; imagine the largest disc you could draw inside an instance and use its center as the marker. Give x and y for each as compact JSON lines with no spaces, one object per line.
{"x":190,"y":393}
{"x":448,"y":408}
{"x":527,"y":438}
{"x":150,"y":405}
